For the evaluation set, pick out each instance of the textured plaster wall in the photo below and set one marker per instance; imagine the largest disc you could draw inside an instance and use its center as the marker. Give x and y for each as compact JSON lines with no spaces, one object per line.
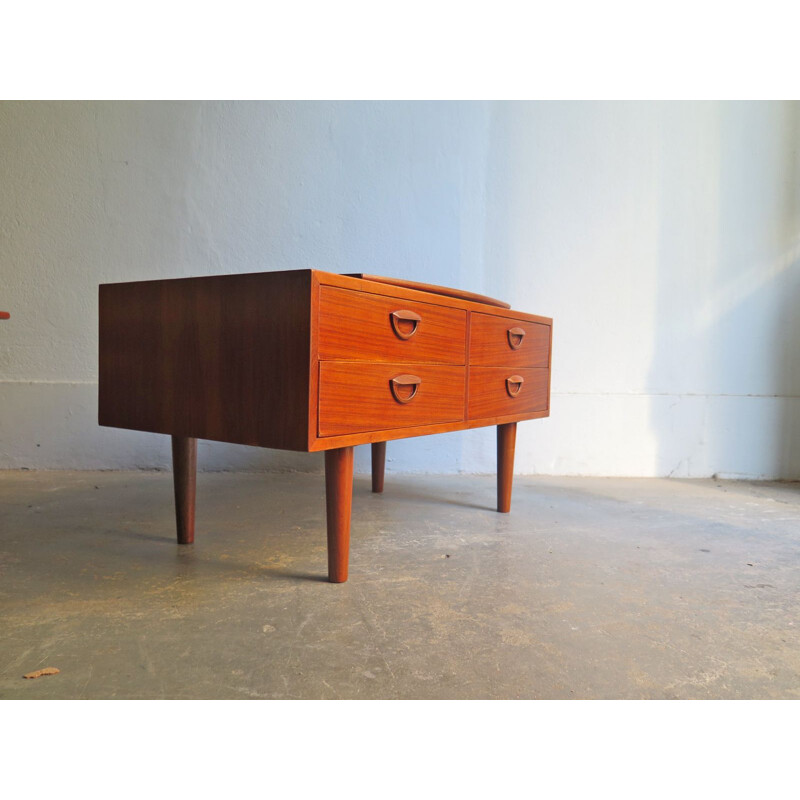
{"x":663,"y":238}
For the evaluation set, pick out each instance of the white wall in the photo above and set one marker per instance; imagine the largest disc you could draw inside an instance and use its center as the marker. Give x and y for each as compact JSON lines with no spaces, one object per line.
{"x":663,"y":238}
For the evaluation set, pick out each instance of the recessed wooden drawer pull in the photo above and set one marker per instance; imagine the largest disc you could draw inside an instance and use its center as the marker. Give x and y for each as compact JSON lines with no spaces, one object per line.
{"x":405,"y":318}
{"x":515,"y":337}
{"x":514,"y":384}
{"x":404,"y":387}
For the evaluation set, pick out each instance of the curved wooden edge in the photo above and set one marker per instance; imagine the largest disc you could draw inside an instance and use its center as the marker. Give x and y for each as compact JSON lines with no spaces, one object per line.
{"x":355,"y":283}
{"x":433,"y":289}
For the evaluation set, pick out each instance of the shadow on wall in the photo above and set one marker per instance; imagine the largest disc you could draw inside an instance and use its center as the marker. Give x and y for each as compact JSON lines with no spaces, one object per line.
{"x":728,"y":293}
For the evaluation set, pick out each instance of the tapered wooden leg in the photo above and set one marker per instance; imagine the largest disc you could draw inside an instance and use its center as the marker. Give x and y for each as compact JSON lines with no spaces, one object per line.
{"x":338,"y":502}
{"x":506,"y":437}
{"x":378,"y":465}
{"x":184,"y":475}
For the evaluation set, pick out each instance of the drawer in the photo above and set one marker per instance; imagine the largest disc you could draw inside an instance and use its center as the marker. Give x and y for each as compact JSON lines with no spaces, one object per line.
{"x":368,"y":397}
{"x":498,"y":392}
{"x":502,"y":341}
{"x":356,"y":326}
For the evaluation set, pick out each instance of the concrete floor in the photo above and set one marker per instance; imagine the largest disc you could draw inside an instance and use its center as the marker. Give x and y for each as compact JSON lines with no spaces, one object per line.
{"x":590,"y":588}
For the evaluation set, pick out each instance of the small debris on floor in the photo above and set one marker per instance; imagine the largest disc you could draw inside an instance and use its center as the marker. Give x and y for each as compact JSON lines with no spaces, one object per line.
{"x":41,"y":672}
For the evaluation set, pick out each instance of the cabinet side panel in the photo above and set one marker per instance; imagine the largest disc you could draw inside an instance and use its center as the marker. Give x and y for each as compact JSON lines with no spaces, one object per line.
{"x":223,"y":358}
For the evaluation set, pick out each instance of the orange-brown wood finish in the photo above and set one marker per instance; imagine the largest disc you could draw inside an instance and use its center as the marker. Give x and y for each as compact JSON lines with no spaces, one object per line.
{"x":355,"y":326}
{"x":224,"y":358}
{"x":361,"y":397}
{"x":378,"y":466}
{"x":512,"y":343}
{"x":503,"y":391}
{"x":338,"y":503}
{"x":434,"y":289}
{"x":309,"y":360}
{"x":184,"y":477}
{"x":400,"y":290}
{"x":506,"y":440}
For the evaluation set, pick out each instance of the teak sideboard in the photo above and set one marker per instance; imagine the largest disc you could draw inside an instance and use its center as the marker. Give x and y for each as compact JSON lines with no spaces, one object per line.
{"x":310,"y":360}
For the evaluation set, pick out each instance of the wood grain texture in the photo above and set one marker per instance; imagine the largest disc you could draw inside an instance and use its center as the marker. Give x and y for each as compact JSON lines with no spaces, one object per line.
{"x":506,"y":439}
{"x":446,"y":291}
{"x":308,"y":360}
{"x":313,"y":376}
{"x":400,"y":292}
{"x":184,"y":477}
{"x":355,"y":397}
{"x":356,"y":326}
{"x":489,"y":342}
{"x":322,"y":443}
{"x":489,"y":397}
{"x":222,"y":358}
{"x":225,"y":358}
{"x":378,"y":466}
{"x":338,"y":504}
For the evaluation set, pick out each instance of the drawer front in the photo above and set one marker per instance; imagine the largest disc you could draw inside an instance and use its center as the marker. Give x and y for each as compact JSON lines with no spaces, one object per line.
{"x":498,"y":391}
{"x":368,"y":397}
{"x":502,"y":341}
{"x":356,"y":326}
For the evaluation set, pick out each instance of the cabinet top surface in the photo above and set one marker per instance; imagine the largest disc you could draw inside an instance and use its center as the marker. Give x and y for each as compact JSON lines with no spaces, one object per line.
{"x":363,"y":282}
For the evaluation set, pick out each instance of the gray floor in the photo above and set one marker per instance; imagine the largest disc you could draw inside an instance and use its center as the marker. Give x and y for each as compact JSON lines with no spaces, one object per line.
{"x":590,"y":588}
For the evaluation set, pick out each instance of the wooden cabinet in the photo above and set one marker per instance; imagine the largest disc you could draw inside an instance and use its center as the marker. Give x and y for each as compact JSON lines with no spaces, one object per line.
{"x":310,"y":360}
